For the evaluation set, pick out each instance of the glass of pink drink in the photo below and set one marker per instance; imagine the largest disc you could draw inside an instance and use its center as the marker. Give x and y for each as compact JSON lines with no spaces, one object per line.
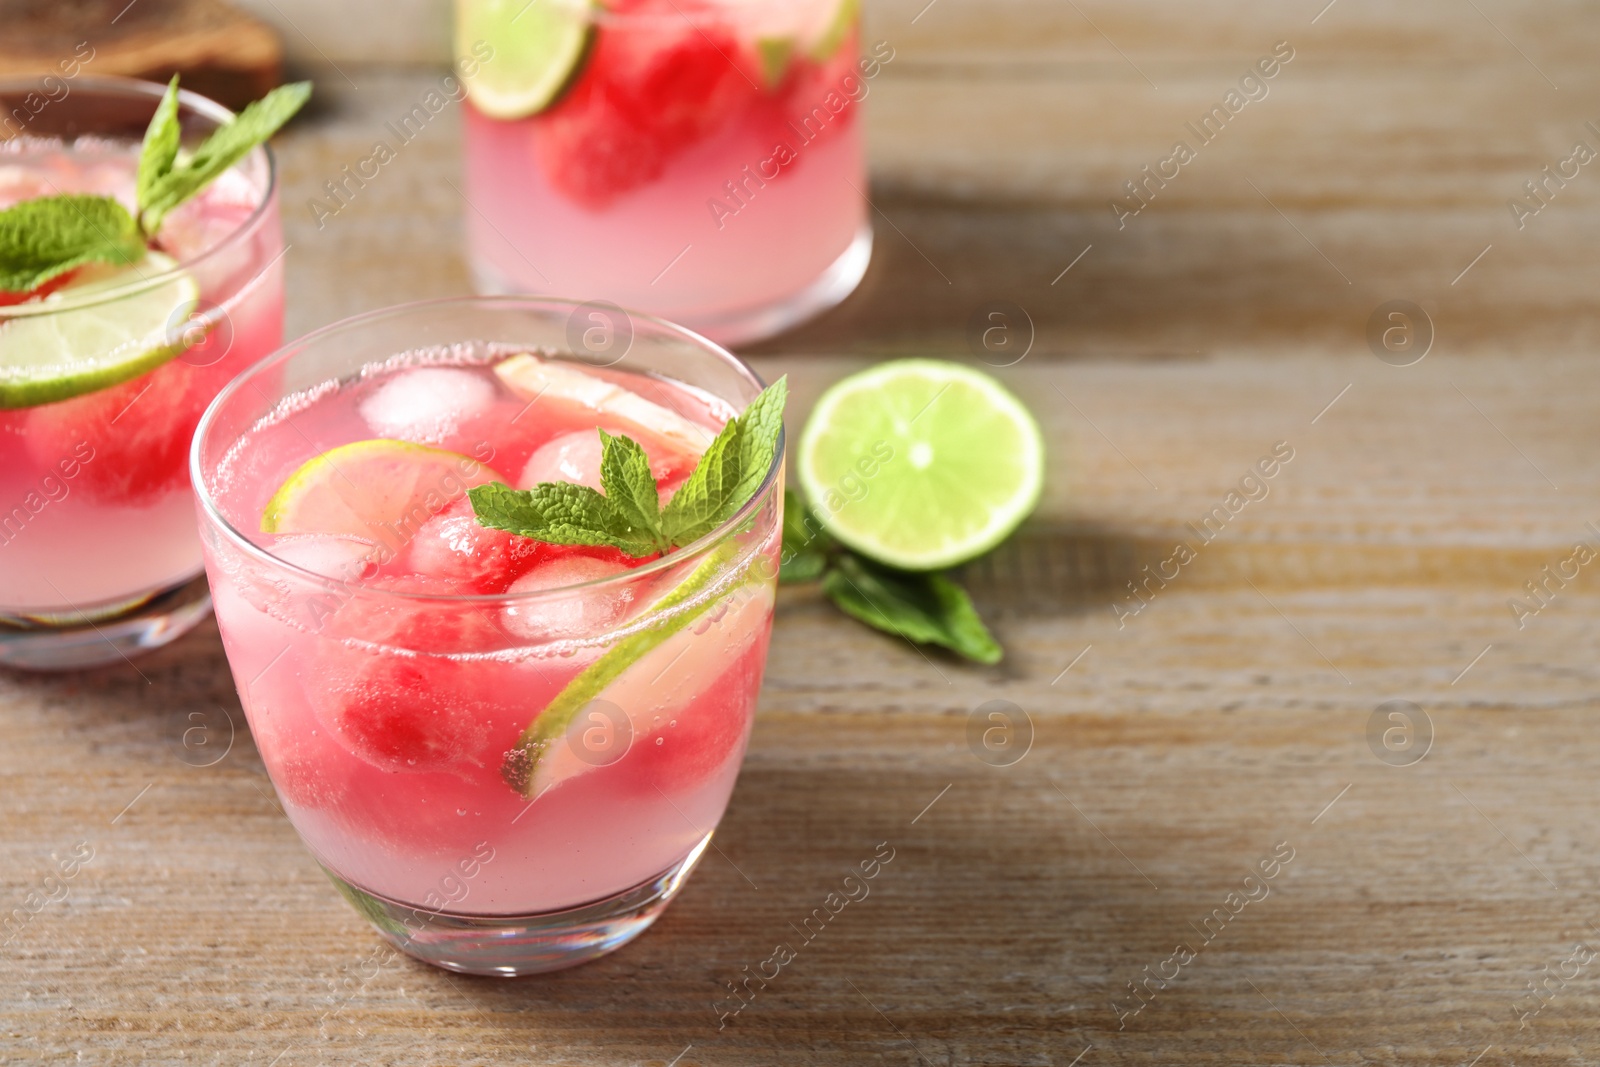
{"x":399,"y":674}
{"x":99,"y":555}
{"x":700,"y":160}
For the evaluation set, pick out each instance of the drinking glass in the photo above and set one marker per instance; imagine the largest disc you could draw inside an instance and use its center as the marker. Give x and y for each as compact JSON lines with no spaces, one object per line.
{"x":700,"y":161}
{"x":389,"y":719}
{"x":99,"y":555}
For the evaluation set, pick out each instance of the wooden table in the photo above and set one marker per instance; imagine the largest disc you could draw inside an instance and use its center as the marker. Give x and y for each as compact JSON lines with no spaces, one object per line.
{"x":1242,"y":710}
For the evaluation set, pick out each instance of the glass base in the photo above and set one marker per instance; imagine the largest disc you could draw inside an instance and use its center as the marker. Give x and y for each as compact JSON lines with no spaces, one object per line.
{"x":119,"y":634}
{"x":741,"y":325}
{"x":510,"y":946}
{"x":831,"y":287}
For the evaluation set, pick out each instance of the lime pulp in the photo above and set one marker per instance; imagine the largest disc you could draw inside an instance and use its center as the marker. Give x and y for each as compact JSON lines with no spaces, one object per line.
{"x":84,"y":337}
{"x":377,"y":489}
{"x":921,"y":464}
{"x":522,"y":53}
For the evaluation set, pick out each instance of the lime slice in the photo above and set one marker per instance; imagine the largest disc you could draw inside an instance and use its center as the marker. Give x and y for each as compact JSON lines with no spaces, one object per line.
{"x":537,"y":47}
{"x":782,"y":32}
{"x":564,"y":387}
{"x":536,"y":763}
{"x":652,"y":675}
{"x":774,"y":53}
{"x":379,"y":489}
{"x":921,"y":464}
{"x":69,"y":344}
{"x":835,"y":27}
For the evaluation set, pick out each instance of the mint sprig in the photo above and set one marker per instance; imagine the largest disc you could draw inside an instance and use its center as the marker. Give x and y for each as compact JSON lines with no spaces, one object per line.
{"x":43,"y":238}
{"x":48,"y":236}
{"x":629,"y":515}
{"x":165,"y":180}
{"x":928,"y":608}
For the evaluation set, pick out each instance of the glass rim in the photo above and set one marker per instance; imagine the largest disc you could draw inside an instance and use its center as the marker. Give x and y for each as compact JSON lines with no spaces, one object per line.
{"x":694,"y":550}
{"x":195,"y":103}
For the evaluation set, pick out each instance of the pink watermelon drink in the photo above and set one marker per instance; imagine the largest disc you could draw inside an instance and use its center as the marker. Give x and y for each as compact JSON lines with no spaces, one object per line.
{"x":699,"y":159}
{"x":507,"y":751}
{"x":106,"y":367}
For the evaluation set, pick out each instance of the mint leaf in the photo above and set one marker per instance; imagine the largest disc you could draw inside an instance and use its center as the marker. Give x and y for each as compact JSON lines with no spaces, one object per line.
{"x":760,"y":426}
{"x":48,"y":236}
{"x":927,"y":608}
{"x":921,"y":607}
{"x":731,"y":470}
{"x":806,"y":545}
{"x":227,"y":144}
{"x":629,"y":516}
{"x":161,"y":139}
{"x":702,"y":502}
{"x":803,"y":567}
{"x":630,"y":487}
{"x":559,"y":513}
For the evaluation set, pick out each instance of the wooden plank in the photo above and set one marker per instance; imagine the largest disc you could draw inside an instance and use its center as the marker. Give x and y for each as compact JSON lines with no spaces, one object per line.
{"x":1014,"y":911}
{"x":1041,"y":36}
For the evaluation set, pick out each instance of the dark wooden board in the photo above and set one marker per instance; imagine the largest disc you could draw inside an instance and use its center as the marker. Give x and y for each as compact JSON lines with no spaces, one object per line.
{"x":219,"y":51}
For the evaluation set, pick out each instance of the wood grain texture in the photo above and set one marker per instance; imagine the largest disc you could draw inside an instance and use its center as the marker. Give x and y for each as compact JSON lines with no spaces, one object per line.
{"x":220,"y":52}
{"x":1173,"y":746}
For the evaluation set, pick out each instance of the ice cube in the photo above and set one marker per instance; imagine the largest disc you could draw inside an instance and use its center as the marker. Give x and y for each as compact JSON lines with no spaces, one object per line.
{"x":572,"y":457}
{"x":580,"y":613}
{"x":427,"y":404}
{"x":575,"y":457}
{"x":454,"y":546}
{"x":303,"y":602}
{"x":347,"y":559}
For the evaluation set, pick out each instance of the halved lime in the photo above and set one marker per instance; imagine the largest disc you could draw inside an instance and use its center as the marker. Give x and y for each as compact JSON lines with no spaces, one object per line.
{"x":537,"y":46}
{"x":380,"y":489}
{"x":74,"y":342}
{"x":921,"y":464}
